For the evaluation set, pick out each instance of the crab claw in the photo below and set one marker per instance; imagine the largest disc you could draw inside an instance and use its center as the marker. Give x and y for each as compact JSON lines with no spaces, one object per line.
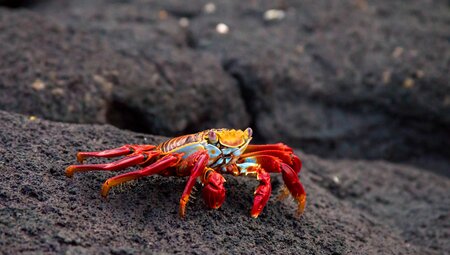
{"x":214,"y":191}
{"x":262,"y":193}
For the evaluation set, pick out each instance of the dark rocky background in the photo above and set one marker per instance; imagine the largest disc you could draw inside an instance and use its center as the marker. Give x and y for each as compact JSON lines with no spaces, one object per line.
{"x":363,"y":85}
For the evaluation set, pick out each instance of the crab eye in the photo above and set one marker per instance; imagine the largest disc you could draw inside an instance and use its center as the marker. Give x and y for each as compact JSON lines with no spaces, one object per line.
{"x":249,"y":132}
{"x":212,"y":137}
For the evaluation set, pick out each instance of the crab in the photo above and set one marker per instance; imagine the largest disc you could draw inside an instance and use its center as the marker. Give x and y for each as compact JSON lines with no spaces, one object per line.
{"x":204,"y":157}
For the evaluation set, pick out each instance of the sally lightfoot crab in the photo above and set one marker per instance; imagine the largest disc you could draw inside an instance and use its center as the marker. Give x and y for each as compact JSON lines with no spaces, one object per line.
{"x":205,"y":157}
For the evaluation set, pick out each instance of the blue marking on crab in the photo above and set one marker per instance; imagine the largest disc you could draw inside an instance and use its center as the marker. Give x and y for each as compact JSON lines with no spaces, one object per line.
{"x":189,"y":149}
{"x":249,"y":160}
{"x":238,"y":153}
{"x":218,"y":162}
{"x":213,"y":151}
{"x":244,"y":166}
{"x":228,"y":151}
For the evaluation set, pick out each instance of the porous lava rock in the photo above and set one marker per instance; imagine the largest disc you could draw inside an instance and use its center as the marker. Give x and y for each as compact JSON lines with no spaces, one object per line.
{"x":351,"y":207}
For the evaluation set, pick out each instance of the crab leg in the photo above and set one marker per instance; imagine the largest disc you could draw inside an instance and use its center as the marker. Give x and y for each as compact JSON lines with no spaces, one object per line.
{"x":196,"y":164}
{"x":275,"y":164}
{"x":295,"y":187}
{"x":286,"y":157}
{"x":128,"y":161}
{"x":117,"y":165}
{"x":167,"y":161}
{"x":267,"y":147}
{"x":279,"y":150}
{"x":120,"y":151}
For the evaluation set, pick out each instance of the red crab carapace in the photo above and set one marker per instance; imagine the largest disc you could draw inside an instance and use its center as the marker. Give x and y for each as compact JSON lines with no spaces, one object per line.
{"x":205,"y":157}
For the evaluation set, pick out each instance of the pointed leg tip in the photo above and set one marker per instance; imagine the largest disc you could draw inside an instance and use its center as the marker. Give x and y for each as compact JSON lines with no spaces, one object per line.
{"x":80,"y":158}
{"x":300,"y":210}
{"x":299,"y":213}
{"x":183,"y":201}
{"x":255,"y":212}
{"x":105,"y":190}
{"x":301,"y":205}
{"x":254,"y":215}
{"x":182,"y":213}
{"x":69,"y":171}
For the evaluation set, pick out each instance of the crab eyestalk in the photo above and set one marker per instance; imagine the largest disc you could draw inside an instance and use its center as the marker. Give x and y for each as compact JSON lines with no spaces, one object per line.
{"x":249,"y":132}
{"x":212,"y":137}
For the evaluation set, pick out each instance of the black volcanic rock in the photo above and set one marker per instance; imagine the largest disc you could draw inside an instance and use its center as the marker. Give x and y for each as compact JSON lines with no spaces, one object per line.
{"x":345,"y":79}
{"x":351,"y":207}
{"x":72,"y":74}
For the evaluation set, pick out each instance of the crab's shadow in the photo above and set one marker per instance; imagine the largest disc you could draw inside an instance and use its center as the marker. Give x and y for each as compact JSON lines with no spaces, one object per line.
{"x":157,"y":197}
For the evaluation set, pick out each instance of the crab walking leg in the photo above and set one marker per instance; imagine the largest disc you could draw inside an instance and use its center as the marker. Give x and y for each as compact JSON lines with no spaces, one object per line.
{"x":113,"y":166}
{"x":287,"y":157}
{"x":267,"y":147}
{"x":167,"y":161}
{"x":117,"y":165}
{"x":290,"y":177}
{"x":196,"y":163}
{"x":120,"y":151}
{"x":295,"y":187}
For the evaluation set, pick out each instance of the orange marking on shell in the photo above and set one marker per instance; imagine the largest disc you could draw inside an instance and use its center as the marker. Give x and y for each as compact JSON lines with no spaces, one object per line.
{"x":232,"y":138}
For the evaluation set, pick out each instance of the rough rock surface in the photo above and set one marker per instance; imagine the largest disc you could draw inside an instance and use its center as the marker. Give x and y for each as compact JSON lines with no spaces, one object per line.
{"x":349,"y":211}
{"x":73,"y":74}
{"x":344,"y":79}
